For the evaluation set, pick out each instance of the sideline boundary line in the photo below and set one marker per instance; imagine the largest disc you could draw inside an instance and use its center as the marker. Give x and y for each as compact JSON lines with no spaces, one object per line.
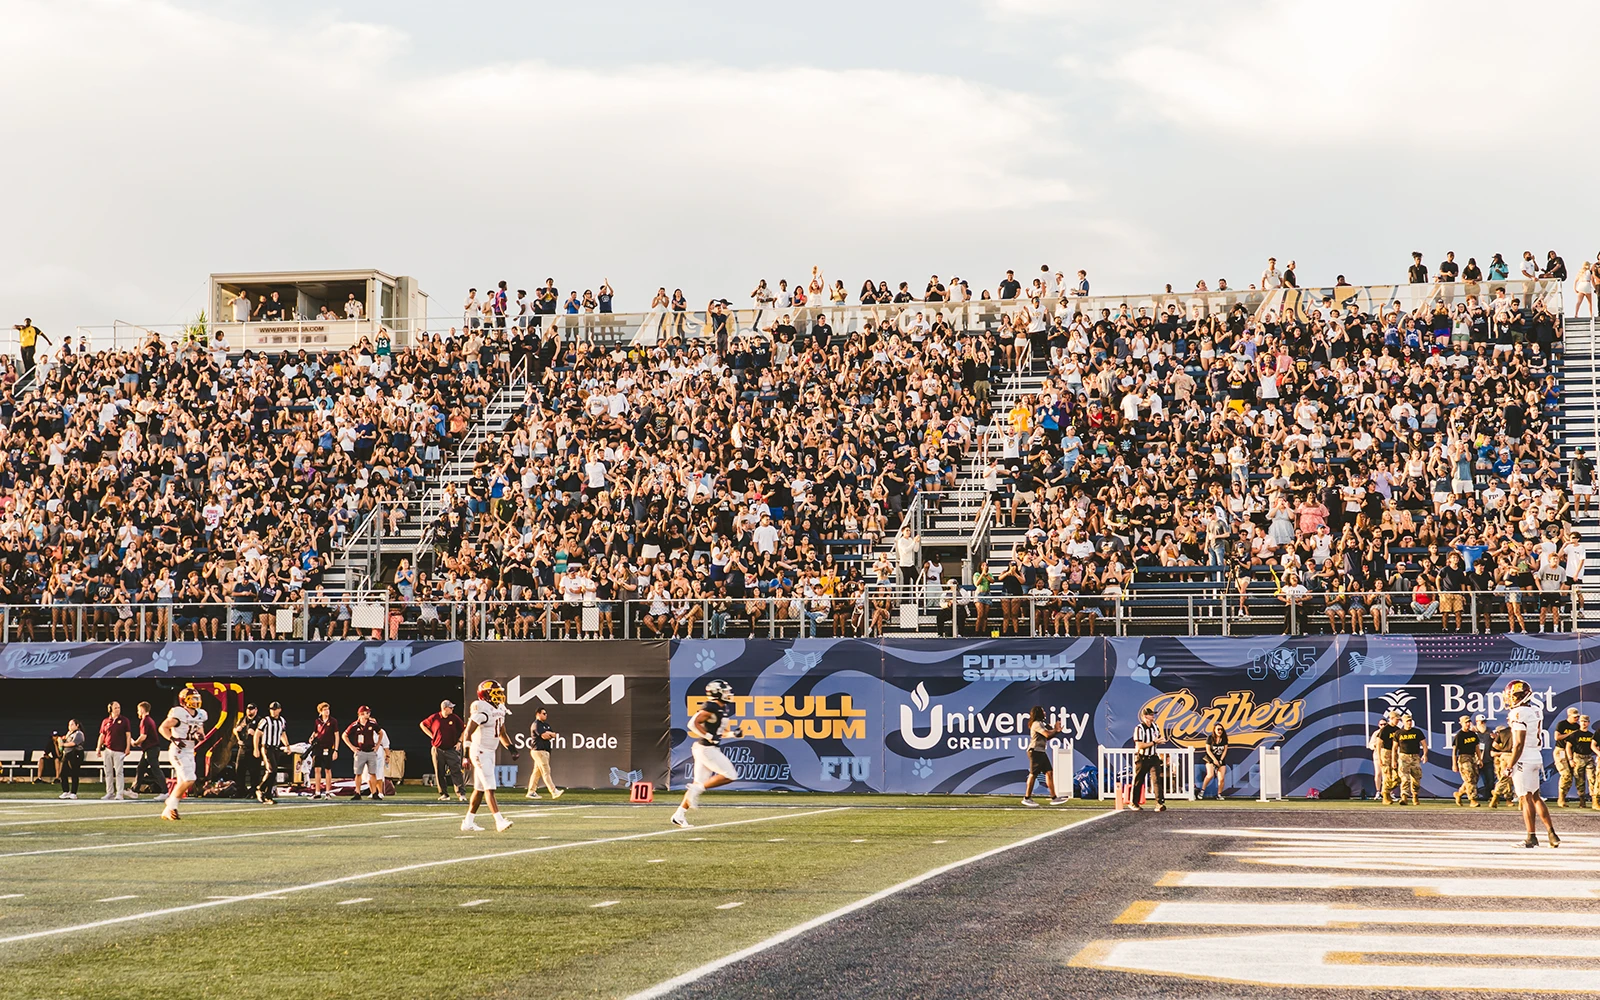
{"x":271,"y":833}
{"x":141,"y":814}
{"x":661,"y":989}
{"x":363,"y":876}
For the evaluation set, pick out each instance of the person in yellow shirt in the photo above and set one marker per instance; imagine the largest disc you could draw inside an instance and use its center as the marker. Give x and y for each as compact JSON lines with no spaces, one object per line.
{"x":28,"y":338}
{"x":1020,"y":416}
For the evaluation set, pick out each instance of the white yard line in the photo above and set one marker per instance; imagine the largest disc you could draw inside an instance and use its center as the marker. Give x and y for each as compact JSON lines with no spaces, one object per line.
{"x":144,"y":814}
{"x":398,"y":870}
{"x":605,"y":903}
{"x":358,"y":899}
{"x":311,"y":831}
{"x":663,"y":988}
{"x":729,"y":906}
{"x":115,"y":899}
{"x":475,"y":902}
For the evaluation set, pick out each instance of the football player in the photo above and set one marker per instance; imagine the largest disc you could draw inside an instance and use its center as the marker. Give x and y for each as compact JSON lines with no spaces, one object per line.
{"x":184,"y":728}
{"x":484,"y":735}
{"x":1526,"y":718}
{"x":712,"y":767}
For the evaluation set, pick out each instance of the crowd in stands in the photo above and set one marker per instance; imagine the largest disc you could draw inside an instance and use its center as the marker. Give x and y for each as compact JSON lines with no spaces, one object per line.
{"x":1346,"y":460}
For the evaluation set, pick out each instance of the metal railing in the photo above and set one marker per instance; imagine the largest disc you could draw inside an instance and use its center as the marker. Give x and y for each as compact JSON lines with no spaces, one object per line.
{"x":925,"y":609}
{"x":651,"y":325}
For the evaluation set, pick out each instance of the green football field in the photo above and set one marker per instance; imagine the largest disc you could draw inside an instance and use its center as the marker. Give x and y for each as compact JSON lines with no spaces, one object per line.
{"x":585,"y":897}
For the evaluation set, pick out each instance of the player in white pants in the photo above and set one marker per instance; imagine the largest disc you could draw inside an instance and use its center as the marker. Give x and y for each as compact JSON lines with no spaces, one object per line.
{"x":712,"y":767}
{"x":1526,"y":717}
{"x":184,"y":728}
{"x":485,"y":734}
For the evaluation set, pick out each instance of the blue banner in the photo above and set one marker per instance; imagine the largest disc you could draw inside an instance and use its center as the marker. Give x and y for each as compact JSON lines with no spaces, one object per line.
{"x":925,"y":716}
{"x":228,"y":660}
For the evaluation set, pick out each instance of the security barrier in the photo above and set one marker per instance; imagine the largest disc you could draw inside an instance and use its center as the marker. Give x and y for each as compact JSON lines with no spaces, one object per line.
{"x":1118,"y":765}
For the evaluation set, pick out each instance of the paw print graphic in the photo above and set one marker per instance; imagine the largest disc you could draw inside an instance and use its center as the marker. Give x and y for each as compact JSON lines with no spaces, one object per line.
{"x":705,"y":660}
{"x":923,"y":768}
{"x":1143,"y":668}
{"x":163,"y":659}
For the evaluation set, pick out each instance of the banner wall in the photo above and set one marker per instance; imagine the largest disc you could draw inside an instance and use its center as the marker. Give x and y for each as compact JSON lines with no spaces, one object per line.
{"x":951,"y":715}
{"x":607,"y":703}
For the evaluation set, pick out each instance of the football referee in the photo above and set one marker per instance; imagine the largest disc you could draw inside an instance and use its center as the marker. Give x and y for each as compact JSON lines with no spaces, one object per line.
{"x":1147,"y":736}
{"x":272,"y":747}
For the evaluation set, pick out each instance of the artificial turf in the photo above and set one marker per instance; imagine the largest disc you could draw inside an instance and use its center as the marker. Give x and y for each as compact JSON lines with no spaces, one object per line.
{"x":535,"y":929}
{"x":539,"y":933}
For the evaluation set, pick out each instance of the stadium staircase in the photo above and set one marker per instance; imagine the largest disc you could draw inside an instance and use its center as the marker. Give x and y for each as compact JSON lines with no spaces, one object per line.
{"x":359,"y":565}
{"x":962,"y":518}
{"x":1580,"y":419}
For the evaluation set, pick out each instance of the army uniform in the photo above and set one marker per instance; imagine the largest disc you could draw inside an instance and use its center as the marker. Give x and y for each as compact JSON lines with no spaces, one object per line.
{"x":1410,"y":744}
{"x":1383,"y":771}
{"x":1563,"y":758}
{"x":1500,"y":743}
{"x":1466,"y":748}
{"x":1584,"y":763}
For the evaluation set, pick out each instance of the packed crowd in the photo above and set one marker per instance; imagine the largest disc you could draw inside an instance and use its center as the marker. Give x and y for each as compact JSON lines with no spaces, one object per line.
{"x":189,"y":477}
{"x":1340,"y":459}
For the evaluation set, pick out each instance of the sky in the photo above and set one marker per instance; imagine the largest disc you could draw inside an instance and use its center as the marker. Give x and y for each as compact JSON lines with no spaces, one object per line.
{"x":705,"y":146}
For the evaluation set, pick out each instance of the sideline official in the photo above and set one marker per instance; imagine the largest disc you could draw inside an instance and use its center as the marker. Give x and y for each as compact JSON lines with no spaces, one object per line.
{"x":443,"y":729}
{"x":1147,"y":738}
{"x":249,"y":762}
{"x":541,"y":739}
{"x":272,"y":748}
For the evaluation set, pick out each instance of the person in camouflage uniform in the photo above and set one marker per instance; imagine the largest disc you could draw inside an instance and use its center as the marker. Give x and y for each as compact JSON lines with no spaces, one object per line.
{"x":1585,"y":764}
{"x":1464,"y":761}
{"x":1410,"y":750}
{"x":1381,"y":743}
{"x":1500,"y":745}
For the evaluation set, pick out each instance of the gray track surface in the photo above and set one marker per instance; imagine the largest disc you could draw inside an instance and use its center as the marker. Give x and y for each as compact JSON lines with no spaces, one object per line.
{"x":1007,"y":926}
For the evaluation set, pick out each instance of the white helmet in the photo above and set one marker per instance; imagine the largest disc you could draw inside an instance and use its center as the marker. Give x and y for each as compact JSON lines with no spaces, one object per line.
{"x":719,"y":691}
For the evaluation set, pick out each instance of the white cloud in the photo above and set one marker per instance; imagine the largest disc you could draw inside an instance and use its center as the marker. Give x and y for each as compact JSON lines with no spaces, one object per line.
{"x":1371,"y":70}
{"x":159,"y":143}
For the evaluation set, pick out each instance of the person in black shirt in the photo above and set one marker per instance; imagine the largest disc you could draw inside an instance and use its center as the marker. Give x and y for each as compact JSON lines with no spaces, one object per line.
{"x":541,"y":738}
{"x":1410,"y":748}
{"x":1010,"y":287}
{"x":1583,"y":761}
{"x":1417,"y":273}
{"x":1216,"y":760}
{"x":1381,"y":743}
{"x":1448,"y":270}
{"x":1563,"y":754}
{"x":1464,"y":753}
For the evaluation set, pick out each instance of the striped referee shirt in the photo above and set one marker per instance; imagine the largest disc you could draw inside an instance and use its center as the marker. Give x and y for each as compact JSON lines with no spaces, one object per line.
{"x":271,"y":731}
{"x":1146,"y":733}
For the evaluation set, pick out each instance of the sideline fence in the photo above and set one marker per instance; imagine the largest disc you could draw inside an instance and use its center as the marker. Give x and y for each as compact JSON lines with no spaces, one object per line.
{"x":1119,"y":764}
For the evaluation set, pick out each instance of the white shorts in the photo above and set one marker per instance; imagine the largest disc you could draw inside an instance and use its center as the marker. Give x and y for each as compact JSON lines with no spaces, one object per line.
{"x":1525,"y":776}
{"x":182,"y":764}
{"x":483,"y":771}
{"x":711,"y":760}
{"x":1580,"y":490}
{"x":371,"y":761}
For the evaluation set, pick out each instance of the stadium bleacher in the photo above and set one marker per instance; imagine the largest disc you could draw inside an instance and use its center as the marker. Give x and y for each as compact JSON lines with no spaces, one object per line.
{"x":1034,"y":461}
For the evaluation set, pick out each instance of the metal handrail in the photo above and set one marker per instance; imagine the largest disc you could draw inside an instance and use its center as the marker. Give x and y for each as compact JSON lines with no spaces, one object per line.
{"x":943,"y":610}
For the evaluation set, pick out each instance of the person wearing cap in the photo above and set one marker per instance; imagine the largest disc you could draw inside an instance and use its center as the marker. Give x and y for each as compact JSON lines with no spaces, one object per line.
{"x":1464,"y":760}
{"x":1147,"y":739}
{"x":443,"y":729}
{"x":1563,"y":754}
{"x":271,"y":749}
{"x":1381,"y":743}
{"x":247,"y":764}
{"x":364,"y":738}
{"x":1410,"y":749}
{"x":1486,"y":775}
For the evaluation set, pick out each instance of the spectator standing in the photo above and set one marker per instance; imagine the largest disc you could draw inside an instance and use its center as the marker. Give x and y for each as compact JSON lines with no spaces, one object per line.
{"x":444,"y":729}
{"x":541,"y":738}
{"x":272,"y":748}
{"x":907,"y":550}
{"x":146,"y":732}
{"x":323,"y":746}
{"x":114,"y":742}
{"x":364,"y":738}
{"x":27,"y":340}
{"x":1417,"y":273}
{"x":69,"y":752}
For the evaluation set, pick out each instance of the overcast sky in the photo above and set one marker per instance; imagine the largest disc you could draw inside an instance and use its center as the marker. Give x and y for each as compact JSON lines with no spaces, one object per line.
{"x":707,"y":145}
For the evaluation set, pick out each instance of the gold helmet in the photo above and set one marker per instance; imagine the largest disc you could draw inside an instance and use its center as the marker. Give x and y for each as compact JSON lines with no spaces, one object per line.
{"x":1517,"y":692}
{"x":189,"y":698}
{"x":492,"y":692}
